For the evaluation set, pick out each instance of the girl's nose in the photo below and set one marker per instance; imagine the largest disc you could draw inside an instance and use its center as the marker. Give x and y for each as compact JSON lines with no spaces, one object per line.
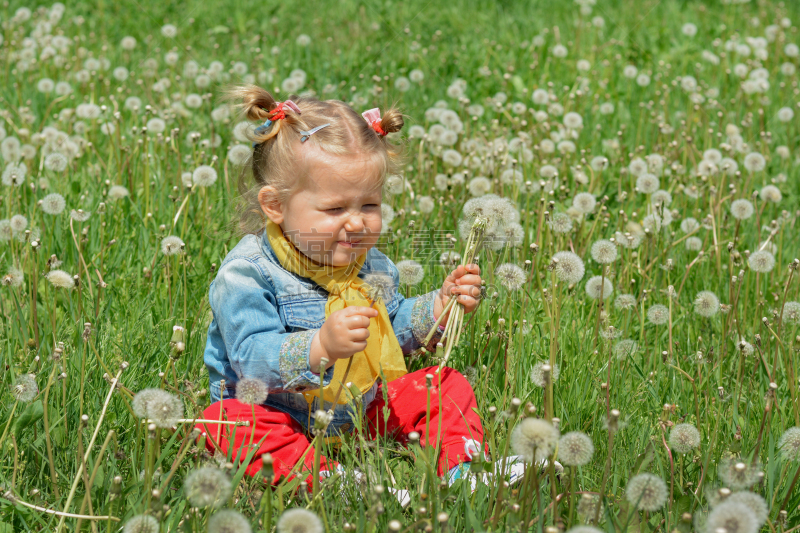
{"x":354,"y":223}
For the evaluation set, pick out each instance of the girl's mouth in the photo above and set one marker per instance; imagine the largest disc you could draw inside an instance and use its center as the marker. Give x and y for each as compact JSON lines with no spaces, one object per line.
{"x":348,"y":244}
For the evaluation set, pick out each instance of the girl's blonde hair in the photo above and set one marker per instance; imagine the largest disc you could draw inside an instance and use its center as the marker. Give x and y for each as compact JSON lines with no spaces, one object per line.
{"x":274,"y":160}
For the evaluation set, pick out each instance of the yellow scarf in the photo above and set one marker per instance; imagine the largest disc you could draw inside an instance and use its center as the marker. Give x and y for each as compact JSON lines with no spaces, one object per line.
{"x":345,"y":288}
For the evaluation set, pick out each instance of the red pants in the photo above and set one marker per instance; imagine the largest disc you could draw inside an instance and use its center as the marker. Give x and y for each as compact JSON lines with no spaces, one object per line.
{"x":287,"y":442}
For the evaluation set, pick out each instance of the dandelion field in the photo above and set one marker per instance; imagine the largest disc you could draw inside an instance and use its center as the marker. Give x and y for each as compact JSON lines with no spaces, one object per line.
{"x":637,"y":166}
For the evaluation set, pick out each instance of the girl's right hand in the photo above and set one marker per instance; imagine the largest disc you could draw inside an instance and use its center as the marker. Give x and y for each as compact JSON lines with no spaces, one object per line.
{"x":345,"y":332}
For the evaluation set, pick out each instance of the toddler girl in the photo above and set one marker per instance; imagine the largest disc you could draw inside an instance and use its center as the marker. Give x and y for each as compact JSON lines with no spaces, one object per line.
{"x":302,"y":290}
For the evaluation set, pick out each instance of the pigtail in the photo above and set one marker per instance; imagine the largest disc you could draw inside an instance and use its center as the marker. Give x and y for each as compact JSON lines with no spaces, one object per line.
{"x":392,"y":121}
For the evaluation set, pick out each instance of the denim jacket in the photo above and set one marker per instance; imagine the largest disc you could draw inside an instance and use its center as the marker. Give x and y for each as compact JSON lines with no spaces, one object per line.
{"x":265,"y":317}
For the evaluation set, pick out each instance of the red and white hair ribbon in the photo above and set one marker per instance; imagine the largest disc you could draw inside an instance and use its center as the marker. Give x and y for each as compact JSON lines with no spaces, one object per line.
{"x":373,"y":117}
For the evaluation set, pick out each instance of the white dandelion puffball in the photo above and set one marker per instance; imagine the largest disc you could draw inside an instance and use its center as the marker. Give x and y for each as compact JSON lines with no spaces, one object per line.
{"x":604,"y":251}
{"x":411,"y":272}
{"x":584,"y":202}
{"x":689,"y":224}
{"x":510,"y":276}
{"x":559,"y":51}
{"x":658,"y":314}
{"x":479,"y":186}
{"x":207,"y":487}
{"x":647,"y":183}
{"x":169,"y":31}
{"x":251,"y":391}
{"x":785,"y":114}
{"x":117,"y":192}
{"x":239,"y":154}
{"x":573,"y":120}
{"x":299,"y":520}
{"x":647,"y":492}
{"x":732,"y":517}
{"x":204,"y":176}
{"x":630,"y":71}
{"x":560,"y":223}
{"x":789,"y":444}
{"x":706,"y":304}
{"x":60,"y":279}
{"x":426,"y":204}
{"x":791,"y":312}
{"x":228,"y":521}
{"x":754,"y":502}
{"x":171,"y":245}
{"x":534,"y":439}
{"x":684,"y":438}
{"x":625,"y":348}
{"x":53,"y":204}
{"x":770,"y":193}
{"x":761,"y":261}
{"x":625,"y":301}
{"x":689,"y":29}
{"x":569,"y":267}
{"x":537,"y":373}
{"x":575,"y":449}
{"x":754,"y":162}
{"x":141,"y":523}
{"x":25,"y":388}
{"x":742,"y":209}
{"x":598,"y":286}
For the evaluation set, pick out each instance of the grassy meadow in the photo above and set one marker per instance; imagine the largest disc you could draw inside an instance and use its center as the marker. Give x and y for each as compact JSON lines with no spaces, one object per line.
{"x":635,"y":165}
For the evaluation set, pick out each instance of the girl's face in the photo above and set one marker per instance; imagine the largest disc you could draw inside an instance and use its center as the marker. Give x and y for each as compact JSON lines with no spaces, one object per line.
{"x":336,"y":216}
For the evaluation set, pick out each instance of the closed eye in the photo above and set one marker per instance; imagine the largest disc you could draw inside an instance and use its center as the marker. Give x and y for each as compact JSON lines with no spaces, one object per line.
{"x":333,"y":210}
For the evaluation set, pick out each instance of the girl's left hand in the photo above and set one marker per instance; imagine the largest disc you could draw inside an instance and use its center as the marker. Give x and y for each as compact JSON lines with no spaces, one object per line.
{"x":463,"y":283}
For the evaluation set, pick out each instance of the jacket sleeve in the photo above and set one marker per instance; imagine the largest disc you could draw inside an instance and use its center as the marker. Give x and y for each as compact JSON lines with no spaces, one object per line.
{"x":257,"y":343}
{"x":413,"y":318}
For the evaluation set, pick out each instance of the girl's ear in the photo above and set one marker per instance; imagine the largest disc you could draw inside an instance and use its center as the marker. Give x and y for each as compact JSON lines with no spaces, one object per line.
{"x":268,"y":199}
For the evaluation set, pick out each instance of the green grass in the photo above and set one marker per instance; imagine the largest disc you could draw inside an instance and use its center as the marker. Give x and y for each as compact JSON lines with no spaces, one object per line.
{"x":702,"y":378}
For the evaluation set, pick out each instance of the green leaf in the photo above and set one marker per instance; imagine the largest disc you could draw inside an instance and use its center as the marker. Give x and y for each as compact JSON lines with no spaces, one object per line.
{"x":76,"y":187}
{"x":29,"y":416}
{"x":6,"y":528}
{"x":644,"y":459}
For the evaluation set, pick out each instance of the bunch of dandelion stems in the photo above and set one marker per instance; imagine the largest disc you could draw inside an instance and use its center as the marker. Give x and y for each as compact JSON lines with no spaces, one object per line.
{"x":455,"y":319}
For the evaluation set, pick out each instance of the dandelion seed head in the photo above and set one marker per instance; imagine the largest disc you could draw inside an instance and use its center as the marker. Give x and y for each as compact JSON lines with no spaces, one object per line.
{"x":141,"y":523}
{"x":79,"y":215}
{"x":625,"y":301}
{"x":625,"y":348}
{"x":575,"y":449}
{"x":6,"y":233}
{"x":661,"y":197}
{"x":25,"y":388}
{"x":706,"y":303}
{"x":560,"y":223}
{"x":742,"y":209}
{"x":426,"y":204}
{"x":18,"y":223}
{"x":791,"y":312}
{"x":647,"y":492}
{"x":754,"y":162}
{"x":754,"y":502}
{"x":789,"y":444}
{"x":684,"y":438}
{"x":140,"y":401}
{"x":411,"y":272}
{"x":251,"y":391}
{"x":207,"y":487}
{"x":118,"y":192}
{"x":228,"y":521}
{"x":204,"y":176}
{"x":299,"y":520}
{"x":510,"y":276}
{"x":479,"y":186}
{"x":604,"y":251}
{"x":584,"y":202}
{"x":380,"y":285}
{"x":658,"y":314}
{"x":638,"y":167}
{"x":14,"y":174}
{"x":732,"y":517}
{"x":171,"y":245}
{"x":60,"y":279}
{"x":537,"y":373}
{"x":647,"y":183}
{"x":738,"y":475}
{"x":761,"y":261}
{"x":598,"y":286}
{"x":569,"y":267}
{"x":160,"y":406}
{"x":694,"y":244}
{"x":13,"y":278}
{"x":770,"y":193}
{"x":56,"y":162}
{"x":239,"y":154}
{"x":534,"y":439}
